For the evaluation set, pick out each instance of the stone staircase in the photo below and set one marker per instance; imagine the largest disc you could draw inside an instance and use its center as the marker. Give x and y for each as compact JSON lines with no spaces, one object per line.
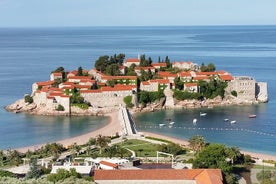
{"x":169,"y":98}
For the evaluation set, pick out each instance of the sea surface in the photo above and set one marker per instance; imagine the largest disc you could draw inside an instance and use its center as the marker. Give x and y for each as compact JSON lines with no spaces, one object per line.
{"x":28,"y":55}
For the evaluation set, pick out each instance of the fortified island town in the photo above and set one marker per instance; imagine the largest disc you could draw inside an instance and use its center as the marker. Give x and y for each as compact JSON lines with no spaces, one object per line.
{"x":104,"y":88}
{"x":119,"y":153}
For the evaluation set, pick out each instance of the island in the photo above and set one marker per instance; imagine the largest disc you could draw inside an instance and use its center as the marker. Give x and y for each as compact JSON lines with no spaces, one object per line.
{"x":141,"y":85}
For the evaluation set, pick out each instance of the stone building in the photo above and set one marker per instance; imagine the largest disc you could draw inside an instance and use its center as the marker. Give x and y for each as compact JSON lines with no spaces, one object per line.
{"x":245,"y":87}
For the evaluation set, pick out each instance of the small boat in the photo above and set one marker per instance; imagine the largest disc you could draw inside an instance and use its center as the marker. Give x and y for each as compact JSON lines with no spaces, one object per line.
{"x":226,"y":119}
{"x":252,"y":116}
{"x":194,"y":121}
{"x":202,"y":113}
{"x":233,"y":121}
{"x":162,"y":124}
{"x":171,"y":123}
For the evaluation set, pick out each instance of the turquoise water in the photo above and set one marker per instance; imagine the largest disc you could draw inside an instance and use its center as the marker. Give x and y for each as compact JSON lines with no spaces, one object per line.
{"x":29,"y":55}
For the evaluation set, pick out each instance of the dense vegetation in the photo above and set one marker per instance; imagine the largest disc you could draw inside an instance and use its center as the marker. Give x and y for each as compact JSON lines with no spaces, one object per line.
{"x":28,"y":99}
{"x":128,"y":101}
{"x":110,"y":65}
{"x":150,"y":97}
{"x":209,"y":68}
{"x":217,"y":156}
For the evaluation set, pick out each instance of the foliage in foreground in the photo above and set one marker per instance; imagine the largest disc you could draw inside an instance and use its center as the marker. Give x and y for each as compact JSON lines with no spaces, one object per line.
{"x":70,"y":180}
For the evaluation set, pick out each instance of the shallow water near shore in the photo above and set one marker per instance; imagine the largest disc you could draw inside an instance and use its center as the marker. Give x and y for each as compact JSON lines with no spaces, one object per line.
{"x":250,"y":134}
{"x":28,"y":55}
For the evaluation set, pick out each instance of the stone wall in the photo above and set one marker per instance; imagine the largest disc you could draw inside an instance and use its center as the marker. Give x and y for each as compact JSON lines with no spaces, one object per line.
{"x":244,"y":86}
{"x":261,"y":91}
{"x":106,"y":99}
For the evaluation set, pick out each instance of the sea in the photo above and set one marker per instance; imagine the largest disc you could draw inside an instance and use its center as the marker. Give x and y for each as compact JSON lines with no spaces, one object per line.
{"x":28,"y":55}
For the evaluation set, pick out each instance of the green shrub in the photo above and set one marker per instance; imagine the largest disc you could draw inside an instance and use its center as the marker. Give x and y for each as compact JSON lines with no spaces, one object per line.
{"x":28,"y":99}
{"x":60,"y":108}
{"x":128,"y":100}
{"x":234,"y":93}
{"x":6,"y":174}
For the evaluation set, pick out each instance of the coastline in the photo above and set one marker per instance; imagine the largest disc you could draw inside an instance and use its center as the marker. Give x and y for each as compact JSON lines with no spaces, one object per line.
{"x":114,"y":127}
{"x":111,"y":128}
{"x":185,"y":143}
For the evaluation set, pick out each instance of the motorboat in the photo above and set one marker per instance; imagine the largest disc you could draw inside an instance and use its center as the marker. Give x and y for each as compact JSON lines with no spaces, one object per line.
{"x":171,"y":123}
{"x":252,"y":115}
{"x":202,"y":113}
{"x":226,"y":119}
{"x":194,"y":121}
{"x":162,"y":124}
{"x":233,"y":121}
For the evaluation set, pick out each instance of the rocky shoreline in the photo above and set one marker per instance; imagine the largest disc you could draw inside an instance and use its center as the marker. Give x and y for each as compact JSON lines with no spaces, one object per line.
{"x":21,"y":107}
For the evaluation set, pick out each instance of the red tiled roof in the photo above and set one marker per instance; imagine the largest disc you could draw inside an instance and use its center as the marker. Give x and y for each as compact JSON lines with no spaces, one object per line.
{"x":190,"y":84}
{"x":83,"y":86}
{"x":226,"y":77}
{"x":185,"y":74}
{"x":109,"y":164}
{"x":91,"y":91}
{"x":159,"y":64}
{"x":213,"y":175}
{"x":119,"y":77}
{"x":145,"y":83}
{"x":80,"y":77}
{"x":167,"y":74}
{"x":45,"y":83}
{"x":206,"y":73}
{"x":132,"y":60}
{"x":200,"y":77}
{"x":117,"y":88}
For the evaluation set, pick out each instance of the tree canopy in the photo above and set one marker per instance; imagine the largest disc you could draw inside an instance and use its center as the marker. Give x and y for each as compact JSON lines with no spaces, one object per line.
{"x":110,"y":65}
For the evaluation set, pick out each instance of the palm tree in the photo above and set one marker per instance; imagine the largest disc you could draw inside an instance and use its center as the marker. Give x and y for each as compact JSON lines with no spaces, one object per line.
{"x":197,"y":143}
{"x":102,"y":142}
{"x":111,"y":151}
{"x":233,"y":153}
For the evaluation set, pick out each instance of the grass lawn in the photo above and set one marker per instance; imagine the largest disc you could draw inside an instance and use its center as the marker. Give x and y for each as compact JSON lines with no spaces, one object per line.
{"x":141,"y":148}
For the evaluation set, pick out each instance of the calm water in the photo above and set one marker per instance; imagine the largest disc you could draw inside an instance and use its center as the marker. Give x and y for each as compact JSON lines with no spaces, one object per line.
{"x":29,"y":55}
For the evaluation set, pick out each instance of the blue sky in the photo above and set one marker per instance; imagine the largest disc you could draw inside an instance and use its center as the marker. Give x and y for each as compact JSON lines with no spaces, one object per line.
{"x":48,"y":13}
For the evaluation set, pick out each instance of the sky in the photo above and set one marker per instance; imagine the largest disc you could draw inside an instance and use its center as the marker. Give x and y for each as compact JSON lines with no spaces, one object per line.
{"x":60,"y":13}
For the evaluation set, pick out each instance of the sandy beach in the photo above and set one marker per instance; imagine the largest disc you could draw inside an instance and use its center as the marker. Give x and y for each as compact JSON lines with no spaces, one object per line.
{"x":111,"y":129}
{"x":114,"y":126}
{"x":186,"y":143}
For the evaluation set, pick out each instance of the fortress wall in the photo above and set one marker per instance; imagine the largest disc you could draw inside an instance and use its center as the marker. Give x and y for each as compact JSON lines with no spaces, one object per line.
{"x":261,"y":91}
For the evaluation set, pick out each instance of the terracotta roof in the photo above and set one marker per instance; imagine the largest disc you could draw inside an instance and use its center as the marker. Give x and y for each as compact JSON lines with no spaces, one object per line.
{"x":119,"y":77}
{"x":91,"y":91}
{"x":159,"y":64}
{"x":212,"y":175}
{"x":83,"y":86}
{"x":226,"y":77}
{"x":200,"y":78}
{"x":167,"y":74}
{"x":80,"y":77}
{"x":163,"y":81}
{"x":45,"y":83}
{"x":145,"y":83}
{"x":190,"y":84}
{"x":206,"y":73}
{"x":109,"y":164}
{"x":185,"y":74}
{"x":132,"y":60}
{"x":209,"y":176}
{"x":117,"y":88}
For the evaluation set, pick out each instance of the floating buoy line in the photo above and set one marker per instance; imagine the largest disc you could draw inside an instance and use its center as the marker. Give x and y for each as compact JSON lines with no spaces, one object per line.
{"x":206,"y":129}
